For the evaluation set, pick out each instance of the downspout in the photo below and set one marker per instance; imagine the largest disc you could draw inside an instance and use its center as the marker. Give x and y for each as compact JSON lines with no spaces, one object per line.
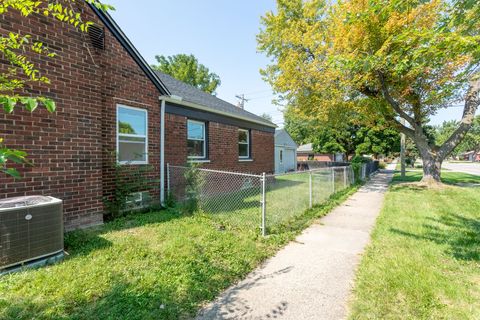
{"x":162,"y":150}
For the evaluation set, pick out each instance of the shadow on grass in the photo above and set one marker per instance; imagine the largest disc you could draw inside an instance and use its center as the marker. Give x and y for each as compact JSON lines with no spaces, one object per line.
{"x":461,"y":234}
{"x":451,"y":178}
{"x":85,"y":241}
{"x":126,"y":299}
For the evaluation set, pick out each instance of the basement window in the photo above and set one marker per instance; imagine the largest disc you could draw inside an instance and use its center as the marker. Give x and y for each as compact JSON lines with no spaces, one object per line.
{"x":97,"y":36}
{"x":132,"y":138}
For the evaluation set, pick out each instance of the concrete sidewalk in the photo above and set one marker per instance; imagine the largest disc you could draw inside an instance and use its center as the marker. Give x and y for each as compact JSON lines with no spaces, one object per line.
{"x":311,"y":278}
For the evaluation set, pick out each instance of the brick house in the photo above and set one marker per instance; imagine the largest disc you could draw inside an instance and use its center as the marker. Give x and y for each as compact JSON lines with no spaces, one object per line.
{"x":305,"y":152}
{"x":111,"y":106}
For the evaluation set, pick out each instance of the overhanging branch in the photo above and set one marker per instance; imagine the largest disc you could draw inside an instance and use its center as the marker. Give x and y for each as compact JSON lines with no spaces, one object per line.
{"x":472,"y":101}
{"x":395,"y":105}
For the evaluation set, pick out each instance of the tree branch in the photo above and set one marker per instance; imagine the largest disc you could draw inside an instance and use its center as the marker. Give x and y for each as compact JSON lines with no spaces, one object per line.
{"x":400,"y":126}
{"x":393,"y":103}
{"x":472,"y":101}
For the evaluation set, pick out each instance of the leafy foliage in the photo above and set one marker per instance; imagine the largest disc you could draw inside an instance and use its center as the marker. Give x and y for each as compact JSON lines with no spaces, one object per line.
{"x":186,"y":68}
{"x":387,"y":60}
{"x":18,"y":49}
{"x":350,"y":136}
{"x":193,"y":184}
{"x":127,"y":181}
{"x":266,"y":116}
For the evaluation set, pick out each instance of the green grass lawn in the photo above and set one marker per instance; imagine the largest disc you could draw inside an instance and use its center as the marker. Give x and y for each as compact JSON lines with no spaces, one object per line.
{"x":424,"y":259}
{"x":159,"y":265}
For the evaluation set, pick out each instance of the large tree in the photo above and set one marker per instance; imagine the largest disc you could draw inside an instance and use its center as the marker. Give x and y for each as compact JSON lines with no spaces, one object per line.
{"x":186,"y":68}
{"x":396,"y":60}
{"x":19,"y":51}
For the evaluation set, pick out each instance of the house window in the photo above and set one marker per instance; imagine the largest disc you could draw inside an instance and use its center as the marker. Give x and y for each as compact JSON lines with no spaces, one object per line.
{"x":281,"y":156}
{"x":132,"y":140}
{"x":243,"y":144}
{"x":196,"y":139}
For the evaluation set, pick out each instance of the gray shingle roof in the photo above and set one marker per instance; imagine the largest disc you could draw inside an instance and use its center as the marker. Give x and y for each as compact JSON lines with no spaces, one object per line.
{"x":191,"y":94}
{"x":282,"y":137}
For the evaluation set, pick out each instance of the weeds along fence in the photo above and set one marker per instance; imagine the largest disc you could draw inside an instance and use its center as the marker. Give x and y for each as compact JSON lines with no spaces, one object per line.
{"x":261,"y":203}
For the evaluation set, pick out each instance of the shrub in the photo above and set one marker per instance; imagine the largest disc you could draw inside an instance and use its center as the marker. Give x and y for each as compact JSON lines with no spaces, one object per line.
{"x":128,"y":180}
{"x":193,"y":184}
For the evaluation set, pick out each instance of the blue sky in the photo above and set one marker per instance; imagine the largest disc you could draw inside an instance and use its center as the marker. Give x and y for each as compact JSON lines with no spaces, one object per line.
{"x":221,"y":34}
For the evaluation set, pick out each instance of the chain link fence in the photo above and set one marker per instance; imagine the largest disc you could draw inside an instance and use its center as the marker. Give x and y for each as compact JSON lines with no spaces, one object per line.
{"x":260,"y":203}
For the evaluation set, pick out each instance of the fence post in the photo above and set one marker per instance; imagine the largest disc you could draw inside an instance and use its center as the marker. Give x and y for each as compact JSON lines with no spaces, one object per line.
{"x":333,"y":180}
{"x":344,"y":177}
{"x":264,"y":231}
{"x":168,"y":178}
{"x":310,"y":188}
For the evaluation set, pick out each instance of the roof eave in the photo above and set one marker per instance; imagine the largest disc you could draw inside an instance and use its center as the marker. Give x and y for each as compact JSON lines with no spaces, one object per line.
{"x":113,"y":27}
{"x":189,"y":104}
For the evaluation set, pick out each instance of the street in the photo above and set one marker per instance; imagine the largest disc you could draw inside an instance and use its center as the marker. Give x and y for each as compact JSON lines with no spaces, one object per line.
{"x":471,"y":168}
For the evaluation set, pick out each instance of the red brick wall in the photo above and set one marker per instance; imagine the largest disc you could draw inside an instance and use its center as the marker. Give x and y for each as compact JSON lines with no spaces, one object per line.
{"x":222,"y":147}
{"x":71,"y":149}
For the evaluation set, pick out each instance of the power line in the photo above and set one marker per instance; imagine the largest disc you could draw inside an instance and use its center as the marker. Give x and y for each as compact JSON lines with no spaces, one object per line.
{"x":262,"y":97}
{"x":255,"y":92}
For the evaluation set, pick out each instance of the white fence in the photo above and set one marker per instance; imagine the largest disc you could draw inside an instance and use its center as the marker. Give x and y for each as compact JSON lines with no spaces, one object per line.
{"x":263,"y":203}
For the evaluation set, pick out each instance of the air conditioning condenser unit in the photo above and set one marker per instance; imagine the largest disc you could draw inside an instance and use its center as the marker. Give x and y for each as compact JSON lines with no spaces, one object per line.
{"x":31,"y":231}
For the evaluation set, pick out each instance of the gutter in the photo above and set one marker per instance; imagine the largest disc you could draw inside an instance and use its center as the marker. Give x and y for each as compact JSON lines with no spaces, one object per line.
{"x":211,"y":110}
{"x":162,"y":150}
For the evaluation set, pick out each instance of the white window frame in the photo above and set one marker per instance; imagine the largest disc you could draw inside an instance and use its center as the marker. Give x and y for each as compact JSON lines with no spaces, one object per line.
{"x":204,"y":124}
{"x":248,"y":144}
{"x":121,"y":106}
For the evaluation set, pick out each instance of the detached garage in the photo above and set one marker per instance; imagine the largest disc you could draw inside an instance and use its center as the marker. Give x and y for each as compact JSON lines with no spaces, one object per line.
{"x":285,"y":152}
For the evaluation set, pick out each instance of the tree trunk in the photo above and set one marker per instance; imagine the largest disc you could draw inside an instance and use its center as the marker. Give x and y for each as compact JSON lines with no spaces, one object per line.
{"x":432,"y":160}
{"x":432,"y":167}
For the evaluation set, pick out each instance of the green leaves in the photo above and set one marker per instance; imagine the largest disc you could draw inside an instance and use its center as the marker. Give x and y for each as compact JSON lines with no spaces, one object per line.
{"x":8,"y":103}
{"x":9,"y":155}
{"x":186,"y":68}
{"x":30,"y":103}
{"x":17,"y":50}
{"x":49,"y":104}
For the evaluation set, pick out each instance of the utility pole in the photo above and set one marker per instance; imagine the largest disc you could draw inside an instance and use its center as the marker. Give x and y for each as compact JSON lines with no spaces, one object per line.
{"x":241,"y":103}
{"x":402,"y":151}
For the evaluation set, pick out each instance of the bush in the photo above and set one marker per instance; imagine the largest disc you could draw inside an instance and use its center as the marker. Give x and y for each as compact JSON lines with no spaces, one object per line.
{"x":193,"y":185}
{"x":357,"y":163}
{"x":128,"y":180}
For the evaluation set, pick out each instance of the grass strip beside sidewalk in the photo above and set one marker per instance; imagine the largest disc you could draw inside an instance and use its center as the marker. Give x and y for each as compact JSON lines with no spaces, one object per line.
{"x":424,"y":259}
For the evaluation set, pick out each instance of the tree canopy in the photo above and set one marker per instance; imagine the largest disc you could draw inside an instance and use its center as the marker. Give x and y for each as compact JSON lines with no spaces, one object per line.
{"x":18,"y":50}
{"x":186,"y":68}
{"x":396,"y":60}
{"x":351,"y":137}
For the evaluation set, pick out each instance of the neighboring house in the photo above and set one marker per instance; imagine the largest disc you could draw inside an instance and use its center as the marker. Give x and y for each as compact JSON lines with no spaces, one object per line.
{"x":470,"y":156}
{"x":285,"y":152}
{"x":305,"y":152}
{"x":110,"y":102}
